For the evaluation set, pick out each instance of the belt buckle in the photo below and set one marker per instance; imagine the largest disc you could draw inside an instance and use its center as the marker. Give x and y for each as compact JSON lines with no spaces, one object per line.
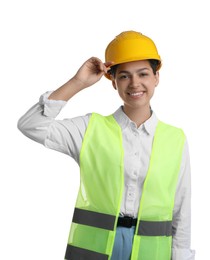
{"x":128,"y":221}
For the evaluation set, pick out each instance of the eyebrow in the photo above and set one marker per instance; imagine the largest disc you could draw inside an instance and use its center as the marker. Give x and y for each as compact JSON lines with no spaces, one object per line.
{"x":139,"y":70}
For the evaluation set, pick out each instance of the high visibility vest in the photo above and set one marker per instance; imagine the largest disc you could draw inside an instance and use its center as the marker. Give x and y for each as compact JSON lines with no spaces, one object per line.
{"x":99,"y":199}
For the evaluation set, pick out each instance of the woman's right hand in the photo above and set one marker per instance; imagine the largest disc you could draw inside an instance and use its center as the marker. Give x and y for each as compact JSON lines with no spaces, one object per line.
{"x":91,"y":71}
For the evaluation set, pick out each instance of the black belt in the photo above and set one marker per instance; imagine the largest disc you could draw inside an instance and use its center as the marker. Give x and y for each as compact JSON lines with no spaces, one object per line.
{"x":126,"y":222}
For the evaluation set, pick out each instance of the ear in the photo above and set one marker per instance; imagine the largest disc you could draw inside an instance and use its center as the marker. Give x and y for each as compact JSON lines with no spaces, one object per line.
{"x":113,"y":82}
{"x":157,"y":75}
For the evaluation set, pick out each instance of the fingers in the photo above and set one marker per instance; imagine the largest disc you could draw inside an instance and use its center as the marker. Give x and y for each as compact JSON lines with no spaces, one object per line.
{"x":99,"y":65}
{"x":108,"y":64}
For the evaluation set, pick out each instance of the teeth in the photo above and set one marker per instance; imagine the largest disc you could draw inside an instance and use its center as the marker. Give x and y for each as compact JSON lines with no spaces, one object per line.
{"x":136,"y":94}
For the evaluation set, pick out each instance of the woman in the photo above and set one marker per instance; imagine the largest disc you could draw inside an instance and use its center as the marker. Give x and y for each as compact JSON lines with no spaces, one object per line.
{"x":134,"y":197}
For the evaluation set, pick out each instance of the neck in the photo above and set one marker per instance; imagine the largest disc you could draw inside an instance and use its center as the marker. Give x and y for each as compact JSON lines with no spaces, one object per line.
{"x":138,"y":115}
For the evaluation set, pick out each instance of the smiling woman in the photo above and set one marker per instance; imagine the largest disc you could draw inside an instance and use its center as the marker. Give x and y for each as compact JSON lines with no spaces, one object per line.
{"x":134,"y":195}
{"x":135,"y":82}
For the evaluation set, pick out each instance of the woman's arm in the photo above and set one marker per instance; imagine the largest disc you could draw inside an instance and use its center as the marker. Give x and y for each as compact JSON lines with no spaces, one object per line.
{"x":88,"y":74}
{"x":39,"y":123}
{"x":182,"y":212}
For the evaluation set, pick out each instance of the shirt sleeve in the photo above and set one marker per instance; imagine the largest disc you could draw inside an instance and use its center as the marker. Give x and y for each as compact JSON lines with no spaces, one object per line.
{"x":182,"y":212}
{"x":40,"y":125}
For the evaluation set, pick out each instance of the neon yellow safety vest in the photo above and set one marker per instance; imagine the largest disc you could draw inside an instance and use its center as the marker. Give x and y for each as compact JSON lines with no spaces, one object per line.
{"x":99,"y":199}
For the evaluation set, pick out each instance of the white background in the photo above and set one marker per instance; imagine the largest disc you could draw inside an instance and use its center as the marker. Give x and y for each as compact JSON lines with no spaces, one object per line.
{"x":43,"y":43}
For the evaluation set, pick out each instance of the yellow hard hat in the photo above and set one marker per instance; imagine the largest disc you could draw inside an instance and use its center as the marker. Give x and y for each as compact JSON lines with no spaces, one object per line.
{"x":131,"y":46}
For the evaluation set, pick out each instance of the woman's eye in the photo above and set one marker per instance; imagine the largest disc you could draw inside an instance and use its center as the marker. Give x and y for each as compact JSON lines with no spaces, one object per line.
{"x":143,"y":74}
{"x":123,"y":76}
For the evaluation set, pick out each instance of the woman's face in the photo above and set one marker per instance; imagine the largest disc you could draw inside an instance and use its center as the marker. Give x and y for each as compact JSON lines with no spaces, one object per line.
{"x":135,"y":83}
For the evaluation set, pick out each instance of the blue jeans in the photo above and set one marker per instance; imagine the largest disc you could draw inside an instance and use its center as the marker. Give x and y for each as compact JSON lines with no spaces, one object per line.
{"x":123,"y":243}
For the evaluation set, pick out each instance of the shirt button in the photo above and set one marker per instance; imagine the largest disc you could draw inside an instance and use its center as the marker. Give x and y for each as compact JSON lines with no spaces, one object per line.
{"x":131,"y":194}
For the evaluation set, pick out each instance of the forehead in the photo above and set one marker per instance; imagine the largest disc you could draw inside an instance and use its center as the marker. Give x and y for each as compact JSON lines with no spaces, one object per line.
{"x":134,"y":65}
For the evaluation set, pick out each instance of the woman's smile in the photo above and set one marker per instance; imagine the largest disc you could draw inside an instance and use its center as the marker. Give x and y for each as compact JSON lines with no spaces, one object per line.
{"x":136,"y":95}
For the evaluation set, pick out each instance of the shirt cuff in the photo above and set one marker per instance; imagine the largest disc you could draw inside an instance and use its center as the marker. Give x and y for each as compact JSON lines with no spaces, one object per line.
{"x":183,"y":254}
{"x":51,"y":107}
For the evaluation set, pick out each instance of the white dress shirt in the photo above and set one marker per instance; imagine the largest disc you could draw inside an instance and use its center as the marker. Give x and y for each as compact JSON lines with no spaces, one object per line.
{"x":66,"y":136}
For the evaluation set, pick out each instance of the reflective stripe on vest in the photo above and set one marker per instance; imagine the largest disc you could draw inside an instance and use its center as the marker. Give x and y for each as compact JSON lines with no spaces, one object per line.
{"x":102,"y":180}
{"x":105,"y":221}
{"x":94,"y":219}
{"x":155,"y":228}
{"x":83,"y":254}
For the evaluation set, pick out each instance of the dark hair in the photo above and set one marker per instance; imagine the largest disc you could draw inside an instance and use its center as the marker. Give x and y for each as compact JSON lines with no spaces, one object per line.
{"x":153,"y":63}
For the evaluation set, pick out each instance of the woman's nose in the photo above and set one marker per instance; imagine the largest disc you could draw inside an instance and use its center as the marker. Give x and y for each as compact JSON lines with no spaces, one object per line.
{"x":135,"y":81}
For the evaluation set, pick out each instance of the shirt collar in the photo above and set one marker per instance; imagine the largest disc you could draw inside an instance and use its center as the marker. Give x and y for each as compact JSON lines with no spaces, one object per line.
{"x":123,"y":120}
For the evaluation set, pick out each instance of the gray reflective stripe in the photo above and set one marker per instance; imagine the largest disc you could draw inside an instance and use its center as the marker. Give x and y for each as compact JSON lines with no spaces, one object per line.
{"x":76,"y":253}
{"x":94,"y":219}
{"x":155,"y":228}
